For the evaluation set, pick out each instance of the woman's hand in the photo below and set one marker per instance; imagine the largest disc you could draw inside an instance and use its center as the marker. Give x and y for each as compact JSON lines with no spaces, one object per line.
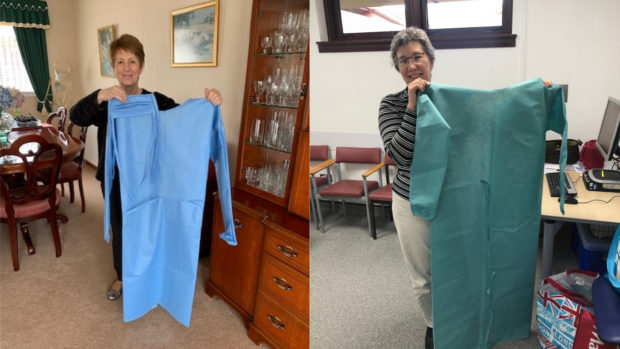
{"x":214,"y":96}
{"x":547,"y":82}
{"x":111,"y":92}
{"x":412,"y":88}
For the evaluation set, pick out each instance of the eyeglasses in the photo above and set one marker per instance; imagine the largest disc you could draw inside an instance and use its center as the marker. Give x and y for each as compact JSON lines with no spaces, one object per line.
{"x":416,"y":58}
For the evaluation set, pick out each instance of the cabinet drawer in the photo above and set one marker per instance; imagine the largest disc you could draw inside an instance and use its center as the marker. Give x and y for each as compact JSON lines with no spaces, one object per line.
{"x":289,"y":248}
{"x":286,"y":285}
{"x":282,"y":326}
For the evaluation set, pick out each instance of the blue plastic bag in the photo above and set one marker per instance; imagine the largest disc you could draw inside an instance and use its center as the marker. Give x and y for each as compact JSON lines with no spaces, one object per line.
{"x":613,"y":261}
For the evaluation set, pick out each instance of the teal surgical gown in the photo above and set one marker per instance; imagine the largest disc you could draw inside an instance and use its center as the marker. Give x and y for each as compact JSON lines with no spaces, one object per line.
{"x":163,"y":160}
{"x":477,"y":177}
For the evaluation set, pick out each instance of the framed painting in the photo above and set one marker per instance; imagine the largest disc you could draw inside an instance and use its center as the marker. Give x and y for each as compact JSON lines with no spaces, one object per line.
{"x":106,"y":35}
{"x":194,"y":33}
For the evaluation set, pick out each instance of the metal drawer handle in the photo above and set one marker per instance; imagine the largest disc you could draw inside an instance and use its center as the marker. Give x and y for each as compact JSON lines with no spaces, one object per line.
{"x":238,"y":224}
{"x":282,"y":283}
{"x":276,"y":322}
{"x":287,"y":251}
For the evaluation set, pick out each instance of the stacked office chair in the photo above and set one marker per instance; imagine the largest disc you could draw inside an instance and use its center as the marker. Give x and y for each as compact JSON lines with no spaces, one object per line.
{"x":382,"y":196}
{"x":348,"y":190}
{"x":320,"y":176}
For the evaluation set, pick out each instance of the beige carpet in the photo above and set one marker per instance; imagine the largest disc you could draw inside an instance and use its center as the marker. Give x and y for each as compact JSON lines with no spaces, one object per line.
{"x":60,"y":302}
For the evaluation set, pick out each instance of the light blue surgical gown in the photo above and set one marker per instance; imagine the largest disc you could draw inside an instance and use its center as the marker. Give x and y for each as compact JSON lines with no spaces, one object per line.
{"x":477,"y":177}
{"x":163,"y":160}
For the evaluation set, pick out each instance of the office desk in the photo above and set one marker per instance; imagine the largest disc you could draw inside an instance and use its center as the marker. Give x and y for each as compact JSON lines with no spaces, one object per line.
{"x":595,"y":212}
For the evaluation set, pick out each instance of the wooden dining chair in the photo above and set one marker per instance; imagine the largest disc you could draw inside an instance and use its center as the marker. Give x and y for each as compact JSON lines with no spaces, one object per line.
{"x":59,"y":118}
{"x":71,"y":171}
{"x":24,"y":197}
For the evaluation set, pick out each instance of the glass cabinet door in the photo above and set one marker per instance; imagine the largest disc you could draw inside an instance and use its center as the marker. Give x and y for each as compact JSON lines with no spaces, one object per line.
{"x":276,"y":87}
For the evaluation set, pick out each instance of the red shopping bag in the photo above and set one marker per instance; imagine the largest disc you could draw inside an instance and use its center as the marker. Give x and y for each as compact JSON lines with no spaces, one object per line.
{"x":590,"y":156}
{"x":564,"y":312}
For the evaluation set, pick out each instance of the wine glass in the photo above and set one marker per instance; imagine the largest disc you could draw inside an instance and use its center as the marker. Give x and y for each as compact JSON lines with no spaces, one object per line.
{"x":259,"y":89}
{"x":267,"y":83}
{"x":283,"y":21}
{"x":278,"y":41}
{"x":277,"y":74}
{"x":284,"y":91}
{"x":273,"y":91}
{"x":265,"y":43}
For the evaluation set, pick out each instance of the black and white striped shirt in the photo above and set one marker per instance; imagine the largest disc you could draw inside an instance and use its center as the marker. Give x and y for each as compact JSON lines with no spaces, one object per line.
{"x":397,"y":127}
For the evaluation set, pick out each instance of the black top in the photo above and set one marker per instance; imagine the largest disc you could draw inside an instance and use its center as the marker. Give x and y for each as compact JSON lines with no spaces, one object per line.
{"x":88,"y":112}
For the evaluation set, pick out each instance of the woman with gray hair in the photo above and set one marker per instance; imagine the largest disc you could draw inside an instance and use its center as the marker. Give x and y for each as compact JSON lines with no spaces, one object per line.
{"x":414,"y":57}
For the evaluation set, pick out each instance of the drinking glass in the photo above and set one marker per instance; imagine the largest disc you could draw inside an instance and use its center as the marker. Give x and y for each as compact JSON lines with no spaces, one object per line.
{"x":272,"y":134}
{"x":283,"y":21}
{"x":251,"y":176}
{"x":278,"y":41}
{"x":284,"y":91}
{"x":264,"y":180}
{"x":290,"y":132}
{"x":257,"y":131}
{"x":273,"y":90}
{"x":282,"y":174}
{"x":265,"y":43}
{"x":291,"y":42}
{"x":259,"y":89}
{"x":267,"y":88}
{"x":277,"y":74}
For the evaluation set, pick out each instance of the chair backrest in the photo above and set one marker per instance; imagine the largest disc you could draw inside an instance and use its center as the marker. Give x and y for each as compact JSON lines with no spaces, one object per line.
{"x":61,"y":115}
{"x":319,"y":152}
{"x":30,"y":171}
{"x":387,"y":160}
{"x":358,"y":155}
{"x":83,"y":131}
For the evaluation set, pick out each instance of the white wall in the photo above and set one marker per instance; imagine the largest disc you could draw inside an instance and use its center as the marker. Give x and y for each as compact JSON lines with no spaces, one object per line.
{"x":566,"y":41}
{"x":578,"y":43}
{"x":149,"y":21}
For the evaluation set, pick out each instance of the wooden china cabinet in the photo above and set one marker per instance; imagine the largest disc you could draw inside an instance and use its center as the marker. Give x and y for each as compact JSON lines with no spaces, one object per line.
{"x":265,"y":278}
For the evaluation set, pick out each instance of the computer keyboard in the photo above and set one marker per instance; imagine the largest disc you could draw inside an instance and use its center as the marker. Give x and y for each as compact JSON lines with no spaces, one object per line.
{"x":553,"y":180}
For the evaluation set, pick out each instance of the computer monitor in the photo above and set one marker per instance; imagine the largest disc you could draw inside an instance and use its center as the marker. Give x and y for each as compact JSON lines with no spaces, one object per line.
{"x":609,"y":134}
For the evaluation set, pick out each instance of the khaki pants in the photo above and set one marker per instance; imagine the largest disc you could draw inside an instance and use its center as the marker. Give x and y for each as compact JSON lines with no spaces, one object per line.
{"x":415,"y":241}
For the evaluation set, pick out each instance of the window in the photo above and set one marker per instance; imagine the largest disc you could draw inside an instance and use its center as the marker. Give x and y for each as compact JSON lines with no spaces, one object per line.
{"x":12,"y":70}
{"x":369,"y":25}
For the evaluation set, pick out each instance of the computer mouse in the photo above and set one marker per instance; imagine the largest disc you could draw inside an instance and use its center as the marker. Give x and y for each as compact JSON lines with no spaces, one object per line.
{"x":571,"y":200}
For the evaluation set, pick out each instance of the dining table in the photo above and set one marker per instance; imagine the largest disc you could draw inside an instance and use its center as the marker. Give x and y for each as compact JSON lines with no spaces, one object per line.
{"x":70,"y":146}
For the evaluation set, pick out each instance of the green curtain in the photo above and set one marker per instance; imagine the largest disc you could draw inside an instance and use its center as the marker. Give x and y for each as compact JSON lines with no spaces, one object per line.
{"x":29,"y":19}
{"x":24,"y":13}
{"x":33,"y":48}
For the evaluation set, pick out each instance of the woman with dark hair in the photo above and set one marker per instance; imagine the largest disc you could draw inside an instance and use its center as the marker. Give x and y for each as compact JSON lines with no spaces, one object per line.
{"x":127,"y":57}
{"x":414,"y":57}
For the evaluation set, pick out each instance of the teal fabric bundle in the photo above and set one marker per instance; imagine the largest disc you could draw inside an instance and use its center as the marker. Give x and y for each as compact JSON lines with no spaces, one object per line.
{"x":477,"y":176}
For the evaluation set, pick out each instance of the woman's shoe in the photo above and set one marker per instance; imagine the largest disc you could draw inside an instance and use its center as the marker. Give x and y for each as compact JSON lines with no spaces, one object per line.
{"x":115,"y":291}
